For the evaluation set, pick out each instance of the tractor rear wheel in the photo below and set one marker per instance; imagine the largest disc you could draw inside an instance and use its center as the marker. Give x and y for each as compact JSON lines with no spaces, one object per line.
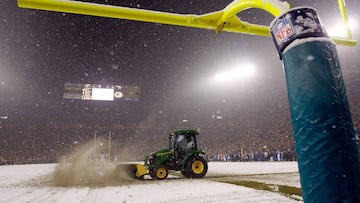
{"x":196,"y":167}
{"x":159,"y":173}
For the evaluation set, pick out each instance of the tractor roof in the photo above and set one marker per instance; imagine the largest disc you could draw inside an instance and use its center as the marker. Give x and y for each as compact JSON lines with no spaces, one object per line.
{"x":191,"y":131}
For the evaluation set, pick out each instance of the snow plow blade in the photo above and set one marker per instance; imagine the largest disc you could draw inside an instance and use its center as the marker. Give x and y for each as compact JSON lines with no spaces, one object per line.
{"x":141,"y":170}
{"x":132,"y":170}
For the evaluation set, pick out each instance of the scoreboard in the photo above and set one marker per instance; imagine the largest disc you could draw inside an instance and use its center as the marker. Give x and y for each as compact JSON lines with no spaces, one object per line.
{"x":101,"y":92}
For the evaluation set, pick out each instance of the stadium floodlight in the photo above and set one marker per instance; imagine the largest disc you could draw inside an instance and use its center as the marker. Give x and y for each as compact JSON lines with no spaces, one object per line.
{"x":238,"y":72}
{"x":340,"y":29}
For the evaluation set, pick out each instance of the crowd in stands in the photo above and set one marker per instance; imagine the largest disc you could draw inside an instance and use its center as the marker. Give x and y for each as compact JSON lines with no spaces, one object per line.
{"x":264,"y":155}
{"x":38,"y":143}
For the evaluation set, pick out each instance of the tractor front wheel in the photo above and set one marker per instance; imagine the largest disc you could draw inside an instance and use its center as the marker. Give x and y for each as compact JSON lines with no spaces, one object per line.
{"x":196,"y":167}
{"x":159,"y":173}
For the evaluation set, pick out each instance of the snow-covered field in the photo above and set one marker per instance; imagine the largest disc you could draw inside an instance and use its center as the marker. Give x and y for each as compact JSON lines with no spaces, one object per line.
{"x":33,"y":183}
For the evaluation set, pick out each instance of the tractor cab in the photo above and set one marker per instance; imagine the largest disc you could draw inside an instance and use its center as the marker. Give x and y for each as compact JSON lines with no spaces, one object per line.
{"x":183,"y":141}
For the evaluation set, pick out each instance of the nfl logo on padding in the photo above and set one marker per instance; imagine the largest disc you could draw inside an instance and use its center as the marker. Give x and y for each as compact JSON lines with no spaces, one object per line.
{"x":283,"y":30}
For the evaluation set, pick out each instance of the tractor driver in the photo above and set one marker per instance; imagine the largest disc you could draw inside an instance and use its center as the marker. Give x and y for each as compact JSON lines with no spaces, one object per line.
{"x":181,"y":146}
{"x":184,"y":144}
{"x":190,"y":143}
{"x":181,"y":142}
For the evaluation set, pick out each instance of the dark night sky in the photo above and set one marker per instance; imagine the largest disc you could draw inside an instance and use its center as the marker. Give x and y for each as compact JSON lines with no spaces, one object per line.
{"x":40,"y":51}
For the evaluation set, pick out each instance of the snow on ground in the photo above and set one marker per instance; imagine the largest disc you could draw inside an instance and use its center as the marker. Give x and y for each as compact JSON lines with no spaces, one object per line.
{"x":32,"y":183}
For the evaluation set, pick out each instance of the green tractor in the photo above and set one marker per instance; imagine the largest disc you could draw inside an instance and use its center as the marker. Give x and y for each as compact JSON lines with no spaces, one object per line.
{"x":182,"y":155}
